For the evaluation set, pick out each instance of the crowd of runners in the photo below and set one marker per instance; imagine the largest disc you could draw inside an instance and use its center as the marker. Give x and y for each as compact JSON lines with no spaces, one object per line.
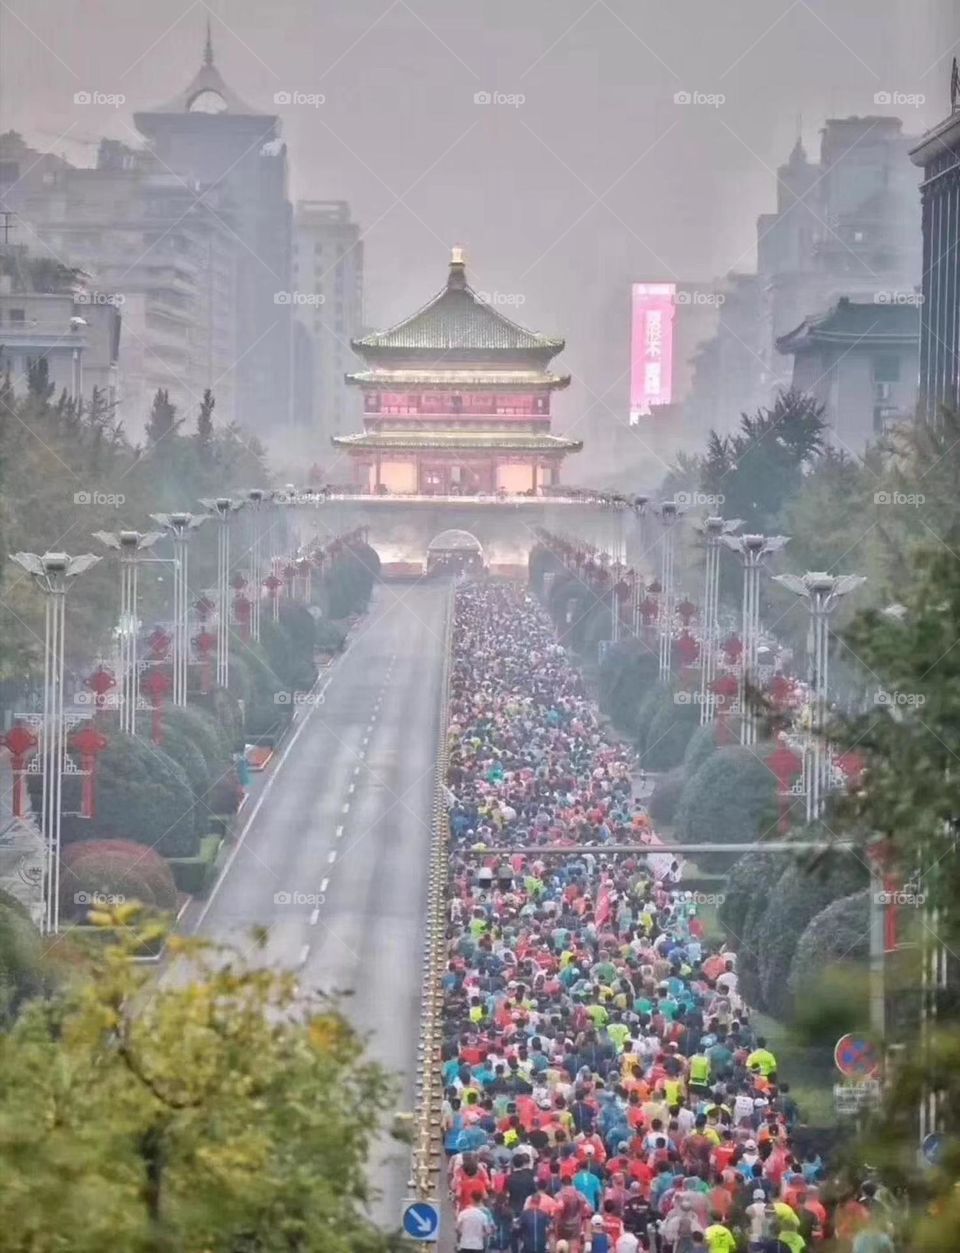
{"x":605,"y":1091}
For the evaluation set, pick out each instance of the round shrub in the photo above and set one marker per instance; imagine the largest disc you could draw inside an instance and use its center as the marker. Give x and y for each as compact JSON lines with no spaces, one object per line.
{"x":113,"y":870}
{"x":827,"y":975}
{"x":675,"y":719}
{"x":701,"y":744}
{"x":663,"y":803}
{"x":143,"y":795}
{"x":21,"y":958}
{"x":731,"y":799}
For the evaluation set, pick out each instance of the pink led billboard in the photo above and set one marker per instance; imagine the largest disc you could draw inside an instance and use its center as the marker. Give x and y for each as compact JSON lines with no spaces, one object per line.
{"x":651,"y":347}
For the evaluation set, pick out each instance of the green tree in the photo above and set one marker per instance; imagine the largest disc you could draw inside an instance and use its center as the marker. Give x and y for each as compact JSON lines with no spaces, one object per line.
{"x":730,"y":800}
{"x":226,"y":1110}
{"x":163,"y":421}
{"x":204,"y":435}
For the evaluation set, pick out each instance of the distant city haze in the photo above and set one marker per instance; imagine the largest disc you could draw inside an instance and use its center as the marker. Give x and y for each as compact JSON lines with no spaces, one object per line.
{"x":553,"y":140}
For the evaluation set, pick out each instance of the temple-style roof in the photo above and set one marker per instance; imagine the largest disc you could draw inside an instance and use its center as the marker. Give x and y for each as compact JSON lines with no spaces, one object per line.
{"x":500,"y":379}
{"x":205,"y":89}
{"x":457,"y":441}
{"x":457,"y":323}
{"x":849,"y":322}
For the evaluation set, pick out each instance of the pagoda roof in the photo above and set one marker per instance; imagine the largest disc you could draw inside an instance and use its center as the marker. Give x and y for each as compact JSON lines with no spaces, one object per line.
{"x":469,"y":377}
{"x":208,"y":80}
{"x":456,"y":441}
{"x":457,"y":321}
{"x":850,"y":322}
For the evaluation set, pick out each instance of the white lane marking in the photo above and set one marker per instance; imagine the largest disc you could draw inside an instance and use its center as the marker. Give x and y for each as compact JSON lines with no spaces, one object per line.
{"x":352,"y":788}
{"x":346,"y":808}
{"x":304,"y":954}
{"x":323,"y":885}
{"x":315,"y":917}
{"x":339,"y":832}
{"x":332,"y":857}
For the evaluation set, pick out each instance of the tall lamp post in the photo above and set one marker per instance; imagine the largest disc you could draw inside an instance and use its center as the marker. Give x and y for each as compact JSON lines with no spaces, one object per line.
{"x":712,"y":529}
{"x":52,"y":574}
{"x":259,"y":501}
{"x":180,"y":526}
{"x":822,"y":593}
{"x":669,"y":514}
{"x":130,"y":545}
{"x":752,"y":550}
{"x":223,"y":509}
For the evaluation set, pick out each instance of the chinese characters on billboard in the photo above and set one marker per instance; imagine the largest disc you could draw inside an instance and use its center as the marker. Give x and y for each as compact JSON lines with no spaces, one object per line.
{"x":651,"y":349}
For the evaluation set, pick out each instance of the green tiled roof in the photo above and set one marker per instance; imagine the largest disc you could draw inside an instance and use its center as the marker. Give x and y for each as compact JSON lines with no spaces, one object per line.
{"x":850,"y":321}
{"x":411,"y":441}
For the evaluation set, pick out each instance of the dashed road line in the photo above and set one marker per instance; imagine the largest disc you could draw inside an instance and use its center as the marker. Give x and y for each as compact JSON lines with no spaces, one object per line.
{"x":323,"y":885}
{"x":315,"y":917}
{"x":304,"y":954}
{"x":339,"y":832}
{"x":332,"y":857}
{"x":346,"y":807}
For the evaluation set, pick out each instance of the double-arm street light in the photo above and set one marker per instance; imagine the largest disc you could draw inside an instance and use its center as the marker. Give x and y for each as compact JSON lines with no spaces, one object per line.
{"x":822,"y":593}
{"x":130,"y":544}
{"x":712,"y":529}
{"x":752,"y":550}
{"x":669,"y":514}
{"x":52,"y":573}
{"x":222,"y":509}
{"x":258,"y":500}
{"x":180,"y":526}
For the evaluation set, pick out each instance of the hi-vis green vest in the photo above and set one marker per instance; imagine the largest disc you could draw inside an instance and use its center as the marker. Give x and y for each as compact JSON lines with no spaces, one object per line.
{"x":699,"y":1068}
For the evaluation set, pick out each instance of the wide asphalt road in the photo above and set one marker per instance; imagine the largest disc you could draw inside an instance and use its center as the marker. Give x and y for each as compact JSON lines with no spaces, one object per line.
{"x":334,"y":858}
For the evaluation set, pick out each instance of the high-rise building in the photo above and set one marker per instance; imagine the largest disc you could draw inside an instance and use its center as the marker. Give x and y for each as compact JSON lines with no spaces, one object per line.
{"x":938,"y":154}
{"x":328,"y":302}
{"x":457,"y":402}
{"x":210,"y":140}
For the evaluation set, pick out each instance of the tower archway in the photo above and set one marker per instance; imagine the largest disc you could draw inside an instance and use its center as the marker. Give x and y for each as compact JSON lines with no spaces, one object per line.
{"x":454,"y":551}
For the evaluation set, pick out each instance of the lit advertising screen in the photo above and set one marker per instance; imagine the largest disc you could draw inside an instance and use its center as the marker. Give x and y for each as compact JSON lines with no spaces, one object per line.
{"x":651,"y":351}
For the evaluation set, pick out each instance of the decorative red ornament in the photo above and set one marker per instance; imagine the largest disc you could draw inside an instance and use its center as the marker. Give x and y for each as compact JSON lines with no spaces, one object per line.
{"x":273,"y":584}
{"x":688,"y":650}
{"x":243,"y":609}
{"x":786,"y":766}
{"x":100,"y":682}
{"x":159,"y":641}
{"x":157,"y":686}
{"x":238,"y":582}
{"x":780,"y":689}
{"x":725,"y":687}
{"x":88,"y":743}
{"x":648,"y":610}
{"x":732,"y":647}
{"x":21,"y":743}
{"x":852,"y":764}
{"x":205,"y":643}
{"x":204,"y":607}
{"x":686,"y":609}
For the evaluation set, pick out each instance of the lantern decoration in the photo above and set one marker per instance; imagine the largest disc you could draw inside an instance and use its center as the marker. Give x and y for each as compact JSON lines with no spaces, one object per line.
{"x":786,"y":765}
{"x":781,"y":690}
{"x":881,"y":854}
{"x":157,"y":686}
{"x":159,"y":641}
{"x":726,"y":689}
{"x":100,"y":682}
{"x":732,"y":648}
{"x":21,"y":743}
{"x":852,"y":765}
{"x":205,"y":643}
{"x":204,"y":607}
{"x":688,"y":650}
{"x":88,"y":743}
{"x":686,"y":610}
{"x":648,"y":610}
{"x":238,"y":582}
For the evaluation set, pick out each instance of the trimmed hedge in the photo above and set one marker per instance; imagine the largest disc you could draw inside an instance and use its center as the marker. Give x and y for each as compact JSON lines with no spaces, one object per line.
{"x":113,"y":868}
{"x":674,"y":721}
{"x":832,"y":950}
{"x":701,"y":744}
{"x":663,"y":803}
{"x":21,"y":958}
{"x":196,"y":874}
{"x":731,"y":799}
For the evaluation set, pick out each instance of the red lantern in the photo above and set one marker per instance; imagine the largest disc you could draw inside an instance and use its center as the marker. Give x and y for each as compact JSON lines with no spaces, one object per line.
{"x":786,"y":766}
{"x":238,"y":582}
{"x":204,"y":607}
{"x":732,"y":647}
{"x":852,"y":765}
{"x":688,"y":650}
{"x":88,"y":743}
{"x":159,"y":641}
{"x":21,"y":743}
{"x":648,"y":610}
{"x":686,"y":609}
{"x":100,"y":682}
{"x":157,"y":687}
{"x":781,"y":690}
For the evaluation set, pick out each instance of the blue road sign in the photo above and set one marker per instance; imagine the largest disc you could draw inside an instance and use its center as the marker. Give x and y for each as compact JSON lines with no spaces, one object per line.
{"x":856,"y":1056}
{"x":932,"y":1148}
{"x":421,"y":1219}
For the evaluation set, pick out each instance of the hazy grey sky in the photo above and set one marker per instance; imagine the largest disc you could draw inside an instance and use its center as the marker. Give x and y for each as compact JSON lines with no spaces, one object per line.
{"x":597,"y":179}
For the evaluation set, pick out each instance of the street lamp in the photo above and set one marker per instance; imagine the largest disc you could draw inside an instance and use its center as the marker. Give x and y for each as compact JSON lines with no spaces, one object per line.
{"x":223,"y":508}
{"x":712,"y":529}
{"x":752,"y":550}
{"x":822,"y":593}
{"x":130,"y":545}
{"x":669,"y":514}
{"x":258,"y":500}
{"x":180,"y":526}
{"x":52,"y":574}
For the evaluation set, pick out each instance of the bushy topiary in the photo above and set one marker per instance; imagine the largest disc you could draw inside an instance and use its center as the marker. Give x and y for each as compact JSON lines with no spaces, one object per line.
{"x":21,"y":958}
{"x":701,"y":744}
{"x":730,"y":800}
{"x":746,"y":891}
{"x":675,"y":719}
{"x":113,"y":871}
{"x":627,"y":673}
{"x":829,"y":959}
{"x":143,"y":795}
{"x":663,"y":803}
